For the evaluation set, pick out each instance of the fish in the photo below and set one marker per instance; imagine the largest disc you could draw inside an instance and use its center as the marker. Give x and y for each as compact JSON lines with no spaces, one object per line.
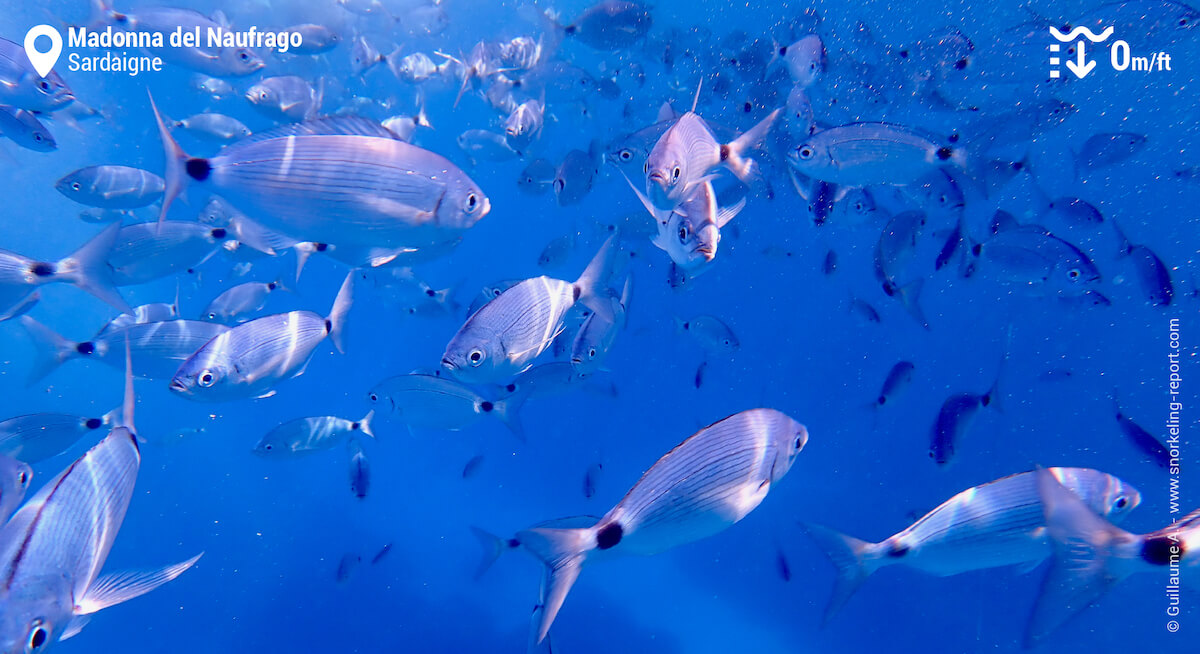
{"x":285,"y":98}
{"x":98,"y":216}
{"x":800,"y":121}
{"x":314,"y":39}
{"x":404,"y":127}
{"x":15,"y":477}
{"x":691,"y":232}
{"x":1074,"y":211}
{"x":431,"y":402}
{"x":214,"y":127}
{"x":306,"y":435}
{"x":524,"y":124}
{"x":346,"y":567}
{"x":53,"y":548}
{"x":611,"y":24}
{"x":23,"y":128}
{"x":574,"y":177}
{"x":237,"y":303}
{"x":112,"y":187}
{"x":556,"y":252}
{"x":383,"y":552}
{"x":248,"y":360}
{"x":86,"y":269}
{"x":472,"y":466}
{"x":553,"y":378}
{"x":871,"y":153}
{"x":597,"y":334}
{"x":687,"y":153}
{"x":710,"y":332}
{"x":360,"y":468}
{"x":215,"y":60}
{"x":1107,"y":149}
{"x":158,"y":348}
{"x":144,"y":252}
{"x":537,"y":177}
{"x":805,"y":60}
{"x":1030,"y":256}
{"x":1153,"y":276}
{"x":416,"y":68}
{"x":505,"y":336}
{"x":363,"y":56}
{"x":348,"y":170}
{"x":781,"y":564}
{"x":590,"y":477}
{"x":35,"y":437}
{"x":895,"y":248}
{"x":864,"y":309}
{"x":898,"y":378}
{"x":486,"y":145}
{"x":996,"y":524}
{"x":829,"y":266}
{"x":1140,"y":438}
{"x":23,"y":88}
{"x":954,"y":420}
{"x":1092,"y":555}
{"x":714,"y":479}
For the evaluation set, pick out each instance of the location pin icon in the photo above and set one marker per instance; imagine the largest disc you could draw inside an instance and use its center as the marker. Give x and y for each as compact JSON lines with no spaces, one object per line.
{"x":43,"y":62}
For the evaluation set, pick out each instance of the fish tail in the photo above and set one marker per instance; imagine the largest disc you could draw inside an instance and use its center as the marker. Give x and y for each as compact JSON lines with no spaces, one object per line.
{"x":115,"y":588}
{"x":180,"y":166}
{"x":591,"y":286}
{"x":854,"y":559}
{"x":364,"y":425}
{"x":508,"y":411}
{"x":49,"y":349}
{"x":910,"y":299}
{"x":492,"y":546}
{"x":87,"y":268}
{"x":303,"y":251}
{"x":733,"y":153}
{"x":1085,"y":563}
{"x":563,"y":551}
{"x":1124,"y":245}
{"x":335,"y":322}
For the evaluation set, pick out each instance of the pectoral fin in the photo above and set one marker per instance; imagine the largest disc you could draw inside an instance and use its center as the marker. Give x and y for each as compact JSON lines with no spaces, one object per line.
{"x":113,"y":589}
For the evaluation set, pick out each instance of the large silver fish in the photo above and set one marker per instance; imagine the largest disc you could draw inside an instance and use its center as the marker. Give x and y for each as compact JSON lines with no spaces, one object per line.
{"x":504,"y":336}
{"x":15,"y":476}
{"x":1091,"y":556}
{"x":305,"y":435}
{"x":86,"y":268}
{"x":863,"y":154}
{"x":691,"y":232}
{"x":335,"y":180}
{"x":215,"y":60}
{"x":144,"y":252}
{"x":112,"y":187}
{"x":23,"y":128}
{"x":999,"y":523}
{"x":611,"y":24}
{"x":36,"y":437}
{"x":250,"y":359}
{"x":23,"y":88}
{"x":702,"y":487}
{"x":428,"y":401}
{"x":597,"y":334}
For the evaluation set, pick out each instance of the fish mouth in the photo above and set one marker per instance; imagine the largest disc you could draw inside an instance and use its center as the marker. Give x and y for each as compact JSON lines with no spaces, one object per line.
{"x":449,"y":365}
{"x":707,"y":251}
{"x":487,"y":206}
{"x":178,"y":386}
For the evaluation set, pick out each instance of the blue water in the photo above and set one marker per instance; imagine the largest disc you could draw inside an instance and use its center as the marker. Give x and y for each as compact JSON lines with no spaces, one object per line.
{"x":273,"y":532}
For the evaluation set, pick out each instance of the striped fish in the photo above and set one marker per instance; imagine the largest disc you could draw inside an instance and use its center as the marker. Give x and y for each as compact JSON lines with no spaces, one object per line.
{"x":22,"y":87}
{"x":304,"y":435}
{"x":341,"y":180}
{"x":144,"y":252}
{"x":250,"y":359}
{"x":1091,"y":555}
{"x":597,"y":334}
{"x":112,"y":187}
{"x":502,"y":338}
{"x":158,"y":348}
{"x":706,"y":484}
{"x":427,"y":401}
{"x":86,"y":268}
{"x":997,"y":524}
{"x":14,"y":481}
{"x":36,"y":437}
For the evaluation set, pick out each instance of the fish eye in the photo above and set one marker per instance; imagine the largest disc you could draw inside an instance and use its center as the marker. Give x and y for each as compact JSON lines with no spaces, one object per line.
{"x":206,"y":378}
{"x":23,"y":478}
{"x":38,"y":636}
{"x":37,"y":137}
{"x":244,"y":56}
{"x":806,"y":152}
{"x":646,"y":167}
{"x":1122,"y":502}
{"x":675,"y":174}
{"x":799,"y":443}
{"x":75,"y":186}
{"x":44,"y":85}
{"x":475,"y":357}
{"x":212,"y":316}
{"x":625,"y":154}
{"x":268,"y":447}
{"x":373,"y":397}
{"x":591,"y":353}
{"x":1073,"y":274}
{"x":1183,"y":22}
{"x":263,"y":95}
{"x":683,"y":233}
{"x":472,"y":202}
{"x":559,"y":185}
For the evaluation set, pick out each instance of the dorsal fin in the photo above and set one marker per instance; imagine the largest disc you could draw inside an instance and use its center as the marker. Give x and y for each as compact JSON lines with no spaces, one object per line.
{"x":696,"y":100}
{"x":331,"y":125}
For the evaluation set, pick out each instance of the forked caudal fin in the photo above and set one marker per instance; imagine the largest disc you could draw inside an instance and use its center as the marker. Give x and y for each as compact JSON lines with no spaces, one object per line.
{"x":87,"y":268}
{"x":335,"y":322}
{"x":854,"y":559}
{"x":49,"y":349}
{"x":592,"y":285}
{"x":733,"y":153}
{"x":563,"y":551}
{"x":178,"y":164}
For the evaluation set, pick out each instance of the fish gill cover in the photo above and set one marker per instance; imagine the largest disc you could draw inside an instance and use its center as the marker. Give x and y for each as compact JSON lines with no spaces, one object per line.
{"x":577,"y":326}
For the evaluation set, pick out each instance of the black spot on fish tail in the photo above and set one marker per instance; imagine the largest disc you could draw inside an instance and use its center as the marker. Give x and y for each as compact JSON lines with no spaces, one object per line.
{"x":746,"y":108}
{"x":724,"y":153}
{"x":219,"y":233}
{"x":881,"y":400}
{"x":198,"y":169}
{"x":486,"y":406}
{"x":1157,"y":550}
{"x":93,"y":423}
{"x":321,"y":247}
{"x":355,"y":426}
{"x":430,"y":292}
{"x":328,"y":325}
{"x":609,"y":536}
{"x":43,"y":269}
{"x":898,"y":551}
{"x":513,"y":543}
{"x":575,"y":291}
{"x":570,"y":29}
{"x":976,"y":249}
{"x":85,"y":348}
{"x":944,"y":153}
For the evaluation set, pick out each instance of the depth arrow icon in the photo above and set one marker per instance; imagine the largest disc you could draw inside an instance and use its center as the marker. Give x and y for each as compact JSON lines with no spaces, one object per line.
{"x":1081,"y":67}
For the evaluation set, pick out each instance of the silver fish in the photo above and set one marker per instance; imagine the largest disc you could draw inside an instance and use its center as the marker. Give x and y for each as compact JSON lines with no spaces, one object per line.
{"x":691,"y":232}
{"x":573,"y":178}
{"x":144,"y":252}
{"x":713,"y":480}
{"x":999,"y":523}
{"x":363,"y":56}
{"x":800,"y":120}
{"x":360,"y":469}
{"x":250,"y":359}
{"x":590,"y":478}
{"x":214,"y":127}
{"x":1149,"y":444}
{"x":36,"y":437}
{"x":710,"y":332}
{"x":158,"y":348}
{"x":508,"y":333}
{"x":98,"y":216}
{"x":805,"y":60}
{"x":14,"y":481}
{"x":864,"y":154}
{"x":1074,"y":211}
{"x":524,"y":124}
{"x":86,"y":268}
{"x":416,"y":68}
{"x":112,"y":187}
{"x":217,"y":88}
{"x":217,"y":60}
{"x":898,"y":379}
{"x":321,"y":171}
{"x":306,"y":435}
{"x":24,"y":129}
{"x":53,"y":548}
{"x":1110,"y":148}
{"x":285,"y":98}
{"x":598,"y":333}
{"x":411,"y":294}
{"x":22,"y":87}
{"x":687,"y":153}
{"x":141,"y":314}
{"x":485,"y":145}
{"x":611,"y":24}
{"x":405,"y":127}
{"x":430,"y":402}
{"x":955,"y":418}
{"x":236,"y":304}
{"x":315,"y":39}
{"x":537,"y":177}
{"x":1091,"y":555}
{"x":1153,"y":275}
{"x":1034,"y":258}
